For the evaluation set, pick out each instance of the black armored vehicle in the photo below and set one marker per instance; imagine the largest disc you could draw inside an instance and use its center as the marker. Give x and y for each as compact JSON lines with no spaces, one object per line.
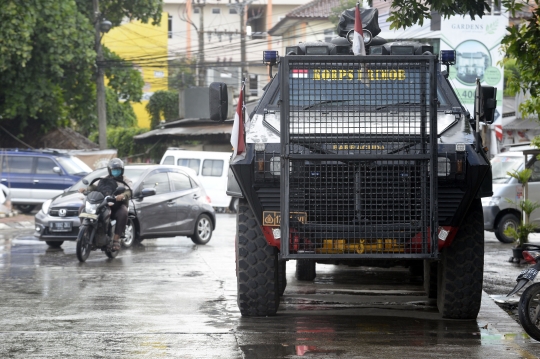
{"x":361,"y":160}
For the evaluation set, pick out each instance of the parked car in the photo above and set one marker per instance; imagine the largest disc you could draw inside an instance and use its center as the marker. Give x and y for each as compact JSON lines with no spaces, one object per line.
{"x":211,"y":168}
{"x":34,"y":176}
{"x":174,"y":203}
{"x":500,"y":210}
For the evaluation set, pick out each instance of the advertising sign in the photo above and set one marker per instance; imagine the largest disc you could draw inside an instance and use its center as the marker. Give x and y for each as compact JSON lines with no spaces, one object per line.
{"x":477,"y":44}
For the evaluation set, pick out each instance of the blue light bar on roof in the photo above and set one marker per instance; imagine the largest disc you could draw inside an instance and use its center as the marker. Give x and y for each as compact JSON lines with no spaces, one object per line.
{"x":448,"y":57}
{"x":270,"y":57}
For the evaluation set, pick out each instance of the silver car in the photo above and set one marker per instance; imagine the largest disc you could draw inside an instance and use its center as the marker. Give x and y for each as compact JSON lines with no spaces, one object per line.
{"x":177,"y":206}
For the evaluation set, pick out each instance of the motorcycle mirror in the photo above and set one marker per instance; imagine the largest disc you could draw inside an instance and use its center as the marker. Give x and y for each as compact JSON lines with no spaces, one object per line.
{"x":120,"y":189}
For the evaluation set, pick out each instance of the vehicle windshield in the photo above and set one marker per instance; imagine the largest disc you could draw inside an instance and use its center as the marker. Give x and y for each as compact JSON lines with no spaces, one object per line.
{"x":74,"y":166}
{"x":502,"y":164}
{"x":132,"y":173}
{"x":339,"y":89}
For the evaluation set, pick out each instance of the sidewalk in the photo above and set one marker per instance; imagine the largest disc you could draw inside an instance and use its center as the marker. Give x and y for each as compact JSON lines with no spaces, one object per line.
{"x":15,"y":220}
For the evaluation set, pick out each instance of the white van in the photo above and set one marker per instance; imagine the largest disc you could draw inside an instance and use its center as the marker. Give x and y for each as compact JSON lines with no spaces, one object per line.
{"x":499,"y":211}
{"x":211,"y":169}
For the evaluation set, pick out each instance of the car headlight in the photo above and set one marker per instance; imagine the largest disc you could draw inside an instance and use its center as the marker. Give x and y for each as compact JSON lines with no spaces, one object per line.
{"x":46,"y":205}
{"x":90,"y":207}
{"x":495,"y":201}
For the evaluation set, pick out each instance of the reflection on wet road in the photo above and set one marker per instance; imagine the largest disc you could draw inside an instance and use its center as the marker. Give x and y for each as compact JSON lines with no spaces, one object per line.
{"x":171,"y":299}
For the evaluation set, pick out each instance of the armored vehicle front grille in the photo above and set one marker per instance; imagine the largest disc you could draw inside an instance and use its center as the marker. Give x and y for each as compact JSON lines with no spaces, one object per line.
{"x":358,"y":137}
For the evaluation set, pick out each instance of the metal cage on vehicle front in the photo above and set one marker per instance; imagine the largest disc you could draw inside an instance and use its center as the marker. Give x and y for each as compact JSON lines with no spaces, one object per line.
{"x":358,"y":144}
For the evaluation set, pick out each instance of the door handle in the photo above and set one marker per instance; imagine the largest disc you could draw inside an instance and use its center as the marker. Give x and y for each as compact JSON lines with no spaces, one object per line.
{"x":196,"y":196}
{"x":3,"y":180}
{"x":36,"y":181}
{"x":170,"y":203}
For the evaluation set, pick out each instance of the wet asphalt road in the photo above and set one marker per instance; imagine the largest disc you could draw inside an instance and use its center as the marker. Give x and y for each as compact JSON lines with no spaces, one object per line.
{"x":171,"y":299}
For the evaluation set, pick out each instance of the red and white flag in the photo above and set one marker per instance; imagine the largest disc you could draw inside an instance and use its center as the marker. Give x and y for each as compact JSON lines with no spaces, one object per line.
{"x":358,"y":46}
{"x":237,"y":134}
{"x":499,"y":132}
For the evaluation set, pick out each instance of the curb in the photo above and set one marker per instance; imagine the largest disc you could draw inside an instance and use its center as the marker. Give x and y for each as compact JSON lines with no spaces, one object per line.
{"x":10,"y":214}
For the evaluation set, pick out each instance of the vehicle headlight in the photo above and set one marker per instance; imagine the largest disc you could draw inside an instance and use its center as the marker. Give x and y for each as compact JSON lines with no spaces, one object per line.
{"x":90,"y":207}
{"x":494,"y":201}
{"x":443,"y":166}
{"x":275,"y":166}
{"x":46,"y":205}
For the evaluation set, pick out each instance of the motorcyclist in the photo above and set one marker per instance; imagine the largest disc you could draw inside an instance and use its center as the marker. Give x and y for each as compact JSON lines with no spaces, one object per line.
{"x":119,"y":210}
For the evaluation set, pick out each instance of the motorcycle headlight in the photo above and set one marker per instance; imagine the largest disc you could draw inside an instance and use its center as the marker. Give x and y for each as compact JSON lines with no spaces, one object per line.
{"x":91,"y":207}
{"x":46,"y":205}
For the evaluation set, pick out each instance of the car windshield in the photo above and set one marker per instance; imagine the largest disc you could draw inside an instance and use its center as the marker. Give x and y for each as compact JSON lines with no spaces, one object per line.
{"x":502,"y":164}
{"x":74,"y":166}
{"x":133,"y":173}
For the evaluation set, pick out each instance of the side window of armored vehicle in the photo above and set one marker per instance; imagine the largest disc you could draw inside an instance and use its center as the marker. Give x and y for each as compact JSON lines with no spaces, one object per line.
{"x":213,"y":168}
{"x":45,"y":166}
{"x":158,"y":181}
{"x":192,"y":163}
{"x":169,"y":160}
{"x":180,"y":181}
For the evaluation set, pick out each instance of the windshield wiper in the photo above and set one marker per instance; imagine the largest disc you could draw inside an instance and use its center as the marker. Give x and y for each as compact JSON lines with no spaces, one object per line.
{"x":396,"y":104}
{"x":323,"y":102}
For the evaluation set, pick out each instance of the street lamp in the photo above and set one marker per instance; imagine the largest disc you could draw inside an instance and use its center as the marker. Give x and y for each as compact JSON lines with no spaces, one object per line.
{"x":102,"y":26}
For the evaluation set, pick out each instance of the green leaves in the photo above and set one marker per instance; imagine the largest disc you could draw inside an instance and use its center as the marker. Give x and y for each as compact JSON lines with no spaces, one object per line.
{"x":162,"y":105}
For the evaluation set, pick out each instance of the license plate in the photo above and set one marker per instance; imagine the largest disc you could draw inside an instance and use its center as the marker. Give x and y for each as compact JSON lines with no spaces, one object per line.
{"x":60,"y":226}
{"x":273,"y":218}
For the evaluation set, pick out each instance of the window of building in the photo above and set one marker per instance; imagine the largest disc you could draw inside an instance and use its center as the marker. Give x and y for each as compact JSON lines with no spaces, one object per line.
{"x":233,"y":10}
{"x":216,"y":10}
{"x":169,"y":27}
{"x":196,"y":10}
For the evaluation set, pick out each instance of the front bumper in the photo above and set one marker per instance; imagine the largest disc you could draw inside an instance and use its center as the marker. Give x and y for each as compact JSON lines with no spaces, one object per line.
{"x":490,"y":213}
{"x":43,"y":233}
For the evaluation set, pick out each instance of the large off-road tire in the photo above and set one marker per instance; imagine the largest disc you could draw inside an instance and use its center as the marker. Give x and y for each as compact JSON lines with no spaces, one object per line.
{"x":256,"y":266}
{"x":305,"y":269}
{"x":460,"y":270}
{"x":430,"y":278}
{"x":529,"y":311}
{"x":203,"y":230}
{"x":508,"y":220}
{"x":282,"y":277}
{"x":82,"y":247}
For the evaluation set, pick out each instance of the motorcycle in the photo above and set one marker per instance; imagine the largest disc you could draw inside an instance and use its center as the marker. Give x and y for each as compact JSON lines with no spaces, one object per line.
{"x":529,"y":303}
{"x":97,"y":229}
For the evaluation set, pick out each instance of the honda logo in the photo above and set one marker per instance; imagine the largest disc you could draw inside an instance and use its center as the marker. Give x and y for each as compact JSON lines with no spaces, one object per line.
{"x":62,"y":212}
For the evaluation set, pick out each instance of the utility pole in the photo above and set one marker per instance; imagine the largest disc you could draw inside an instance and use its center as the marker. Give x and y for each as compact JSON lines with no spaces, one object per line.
{"x":100,"y":82}
{"x":201,"y":78}
{"x":240,"y":7}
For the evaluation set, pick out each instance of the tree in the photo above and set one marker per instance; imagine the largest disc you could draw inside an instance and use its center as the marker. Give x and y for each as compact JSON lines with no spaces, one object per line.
{"x":181,"y":74}
{"x":47,"y":60}
{"x":162,"y":105}
{"x":521,"y":46}
{"x":336,"y":11}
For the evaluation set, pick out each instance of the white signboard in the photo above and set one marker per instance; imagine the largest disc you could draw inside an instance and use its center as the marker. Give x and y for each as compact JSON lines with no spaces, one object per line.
{"x":477,"y":44}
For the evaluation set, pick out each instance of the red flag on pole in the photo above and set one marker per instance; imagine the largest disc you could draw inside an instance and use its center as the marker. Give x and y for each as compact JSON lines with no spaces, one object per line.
{"x":237,"y":134}
{"x":358,"y":46}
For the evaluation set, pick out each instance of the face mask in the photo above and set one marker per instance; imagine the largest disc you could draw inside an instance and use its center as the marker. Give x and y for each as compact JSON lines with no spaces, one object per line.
{"x":116,"y":172}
